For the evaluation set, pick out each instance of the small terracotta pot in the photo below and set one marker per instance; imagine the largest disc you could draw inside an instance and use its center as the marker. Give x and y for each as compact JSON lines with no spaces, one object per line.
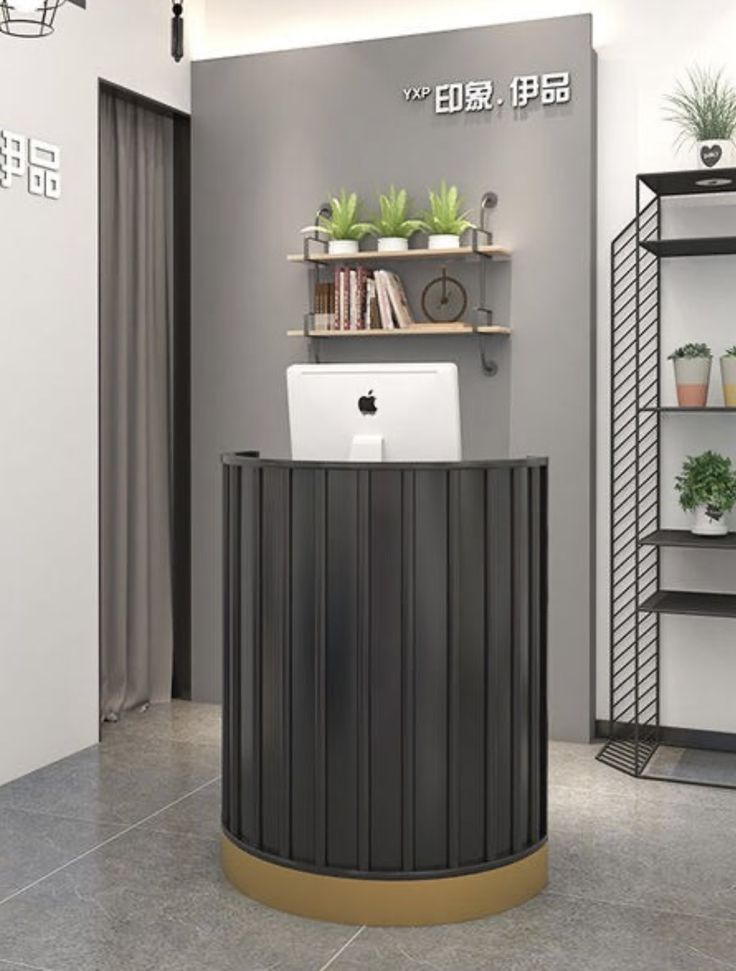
{"x":692,"y":376}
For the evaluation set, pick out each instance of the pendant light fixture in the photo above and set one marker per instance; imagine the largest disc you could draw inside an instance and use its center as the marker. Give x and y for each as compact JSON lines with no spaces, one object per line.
{"x":28,"y":18}
{"x":177,"y":32}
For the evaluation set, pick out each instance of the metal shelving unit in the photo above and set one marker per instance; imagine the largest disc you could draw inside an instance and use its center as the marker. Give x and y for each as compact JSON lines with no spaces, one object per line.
{"x":637,"y":538}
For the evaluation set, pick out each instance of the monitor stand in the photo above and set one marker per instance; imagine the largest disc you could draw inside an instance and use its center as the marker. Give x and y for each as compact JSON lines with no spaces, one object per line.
{"x":367,"y":448}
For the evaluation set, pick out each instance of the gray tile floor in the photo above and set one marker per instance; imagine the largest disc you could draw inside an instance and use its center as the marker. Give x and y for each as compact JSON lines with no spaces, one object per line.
{"x":109,"y":860}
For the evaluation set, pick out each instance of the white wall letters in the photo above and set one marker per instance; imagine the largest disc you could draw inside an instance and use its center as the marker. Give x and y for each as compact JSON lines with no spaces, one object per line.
{"x":39,"y":160}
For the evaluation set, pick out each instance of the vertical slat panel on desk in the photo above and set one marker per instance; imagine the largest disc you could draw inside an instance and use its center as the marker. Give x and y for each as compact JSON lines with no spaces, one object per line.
{"x":247,"y":691}
{"x":234,"y":640}
{"x":430,"y":670}
{"x":408,"y":627}
{"x":342,"y":669}
{"x":228,"y":776}
{"x":305,"y":569}
{"x":535,"y":649}
{"x":320,"y":669}
{"x":543,"y":601}
{"x":472,"y":667}
{"x":386,"y":725}
{"x":499,"y":667}
{"x":521,"y":676}
{"x":454,"y":621}
{"x":274,"y":608}
{"x":364,"y":626}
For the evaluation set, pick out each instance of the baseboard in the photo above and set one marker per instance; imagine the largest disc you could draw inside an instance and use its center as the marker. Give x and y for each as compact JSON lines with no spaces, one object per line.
{"x":681,"y":737}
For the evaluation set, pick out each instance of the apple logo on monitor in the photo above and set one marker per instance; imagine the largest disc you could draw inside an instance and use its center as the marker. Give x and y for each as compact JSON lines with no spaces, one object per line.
{"x":367,"y":404}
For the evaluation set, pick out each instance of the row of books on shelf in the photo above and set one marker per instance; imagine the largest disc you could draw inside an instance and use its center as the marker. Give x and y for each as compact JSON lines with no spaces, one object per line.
{"x":361,"y":299}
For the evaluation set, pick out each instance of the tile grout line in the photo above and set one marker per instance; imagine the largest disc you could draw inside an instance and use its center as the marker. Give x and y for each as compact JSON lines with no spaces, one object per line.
{"x":107,"y":842}
{"x":344,"y":948}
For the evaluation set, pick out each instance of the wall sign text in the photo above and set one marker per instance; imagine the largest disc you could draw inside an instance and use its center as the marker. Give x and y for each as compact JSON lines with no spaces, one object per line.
{"x":31,"y":158}
{"x":553,"y":88}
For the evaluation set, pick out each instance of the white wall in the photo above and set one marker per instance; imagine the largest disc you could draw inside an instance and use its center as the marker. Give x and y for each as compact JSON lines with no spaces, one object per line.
{"x":641,"y":48}
{"x":48,"y":372}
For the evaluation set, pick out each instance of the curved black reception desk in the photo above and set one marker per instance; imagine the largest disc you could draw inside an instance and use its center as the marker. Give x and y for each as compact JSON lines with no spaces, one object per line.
{"x":385,"y":730}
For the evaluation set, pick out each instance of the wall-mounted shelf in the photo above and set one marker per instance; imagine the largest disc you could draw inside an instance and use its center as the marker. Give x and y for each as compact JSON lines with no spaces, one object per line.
{"x":688,"y":602}
{"x":482,"y":251}
{"x":702,"y":246}
{"x":687,"y":540}
{"x":416,"y":330}
{"x":405,"y":256}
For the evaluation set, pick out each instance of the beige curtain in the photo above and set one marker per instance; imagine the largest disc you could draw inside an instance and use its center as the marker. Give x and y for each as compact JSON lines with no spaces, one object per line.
{"x":136,"y":320}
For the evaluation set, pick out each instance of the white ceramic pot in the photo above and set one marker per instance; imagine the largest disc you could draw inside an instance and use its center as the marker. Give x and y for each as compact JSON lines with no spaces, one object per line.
{"x":728,"y":375}
{"x":718,"y":153}
{"x":392,"y":244}
{"x":342,"y":247}
{"x":708,"y":525}
{"x":443,"y":241}
{"x":692,"y":376}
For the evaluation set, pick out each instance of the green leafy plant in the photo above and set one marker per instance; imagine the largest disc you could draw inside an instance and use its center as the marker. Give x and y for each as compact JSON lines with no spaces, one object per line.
{"x":343,"y":221}
{"x":691,"y":350}
{"x":707,"y":480}
{"x":730,"y":351}
{"x":445,"y":215}
{"x":703,"y":108}
{"x":393,"y":219}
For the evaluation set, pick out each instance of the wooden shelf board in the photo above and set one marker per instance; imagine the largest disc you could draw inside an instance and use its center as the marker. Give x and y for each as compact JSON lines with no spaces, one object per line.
{"x":687,"y":540}
{"x":690,"y":602}
{"x":405,"y":256}
{"x":417,"y":330}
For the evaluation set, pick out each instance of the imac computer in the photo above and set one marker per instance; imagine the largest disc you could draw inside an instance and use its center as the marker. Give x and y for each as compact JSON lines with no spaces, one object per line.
{"x":374,"y":412}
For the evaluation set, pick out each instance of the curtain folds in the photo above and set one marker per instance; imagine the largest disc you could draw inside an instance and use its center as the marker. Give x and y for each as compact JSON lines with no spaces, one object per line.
{"x":136,"y":329}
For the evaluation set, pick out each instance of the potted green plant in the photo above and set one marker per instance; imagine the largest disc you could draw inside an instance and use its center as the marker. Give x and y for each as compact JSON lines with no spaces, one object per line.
{"x":445,"y":220}
{"x":704,"y":109}
{"x":707,"y":488}
{"x":342,"y":225}
{"x":392,"y":224}
{"x":728,"y":376}
{"x":692,"y":374}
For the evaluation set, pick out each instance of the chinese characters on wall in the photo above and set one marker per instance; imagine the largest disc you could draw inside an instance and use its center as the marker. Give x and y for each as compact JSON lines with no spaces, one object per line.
{"x":553,"y":88}
{"x":36,"y":162}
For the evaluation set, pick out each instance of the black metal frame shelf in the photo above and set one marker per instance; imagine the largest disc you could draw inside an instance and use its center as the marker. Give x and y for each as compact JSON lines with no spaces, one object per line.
{"x":689,"y":410}
{"x":690,"y":602}
{"x":696,"y":246}
{"x":637,"y":537}
{"x":684,"y":539}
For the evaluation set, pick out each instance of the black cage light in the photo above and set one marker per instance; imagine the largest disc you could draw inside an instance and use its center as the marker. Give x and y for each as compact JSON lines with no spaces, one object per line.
{"x":28,"y":18}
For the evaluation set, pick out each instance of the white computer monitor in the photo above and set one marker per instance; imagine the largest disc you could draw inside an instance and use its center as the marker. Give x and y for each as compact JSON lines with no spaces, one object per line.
{"x":374,"y":412}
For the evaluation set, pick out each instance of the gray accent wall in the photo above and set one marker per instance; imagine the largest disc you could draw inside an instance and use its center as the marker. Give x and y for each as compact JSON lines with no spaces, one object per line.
{"x":273,"y":136}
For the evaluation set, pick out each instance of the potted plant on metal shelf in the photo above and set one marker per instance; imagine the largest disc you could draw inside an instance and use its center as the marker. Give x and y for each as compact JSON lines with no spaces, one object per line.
{"x":342,"y":225}
{"x":728,"y":376}
{"x":392,"y":225}
{"x":704,"y":109}
{"x":444,"y":220}
{"x":692,"y":374}
{"x":707,"y":488}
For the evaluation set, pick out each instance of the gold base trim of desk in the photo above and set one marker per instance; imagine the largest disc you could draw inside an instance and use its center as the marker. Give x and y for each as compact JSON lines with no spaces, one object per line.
{"x":386,"y":903}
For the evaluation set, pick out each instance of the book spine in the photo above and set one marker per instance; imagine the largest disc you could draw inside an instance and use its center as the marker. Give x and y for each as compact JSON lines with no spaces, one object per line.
{"x":336,"y":302}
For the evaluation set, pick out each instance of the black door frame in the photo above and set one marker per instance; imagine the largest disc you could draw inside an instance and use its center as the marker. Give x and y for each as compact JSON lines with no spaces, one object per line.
{"x":181,"y":499}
